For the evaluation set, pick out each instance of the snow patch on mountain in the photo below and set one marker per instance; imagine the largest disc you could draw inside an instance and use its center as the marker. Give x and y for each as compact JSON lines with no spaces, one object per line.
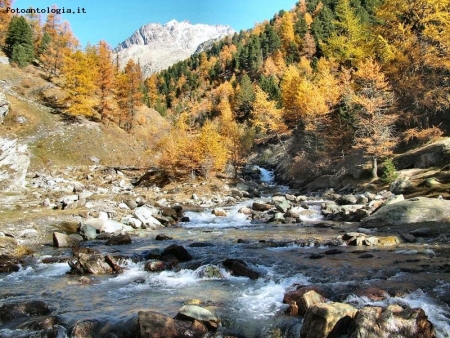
{"x":157,"y":47}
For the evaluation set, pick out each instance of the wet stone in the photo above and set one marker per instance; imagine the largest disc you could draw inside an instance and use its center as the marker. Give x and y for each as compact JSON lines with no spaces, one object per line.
{"x":334,"y":251}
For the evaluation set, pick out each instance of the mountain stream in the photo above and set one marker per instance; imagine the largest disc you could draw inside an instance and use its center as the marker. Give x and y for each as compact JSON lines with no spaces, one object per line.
{"x":249,"y":308}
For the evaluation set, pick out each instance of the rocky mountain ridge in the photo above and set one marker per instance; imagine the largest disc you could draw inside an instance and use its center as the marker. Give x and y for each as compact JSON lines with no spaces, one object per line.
{"x":158,"y":46}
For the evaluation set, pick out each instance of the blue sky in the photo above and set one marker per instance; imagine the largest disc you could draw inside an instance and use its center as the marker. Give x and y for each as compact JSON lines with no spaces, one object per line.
{"x":115,"y":20}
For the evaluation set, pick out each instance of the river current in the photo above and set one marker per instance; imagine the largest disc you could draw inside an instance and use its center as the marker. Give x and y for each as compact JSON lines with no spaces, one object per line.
{"x":250,"y":308}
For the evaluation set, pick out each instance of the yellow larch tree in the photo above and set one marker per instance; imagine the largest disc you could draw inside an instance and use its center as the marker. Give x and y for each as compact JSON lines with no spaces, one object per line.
{"x":373,"y":104}
{"x":238,"y":137}
{"x":5,"y":19}
{"x":152,"y":88}
{"x":105,"y":81}
{"x":350,"y":42}
{"x":213,"y":149}
{"x":79,"y":81}
{"x":414,"y":44}
{"x":267,"y":118}
{"x":287,"y":32}
{"x":128,"y":93}
{"x":62,"y":43}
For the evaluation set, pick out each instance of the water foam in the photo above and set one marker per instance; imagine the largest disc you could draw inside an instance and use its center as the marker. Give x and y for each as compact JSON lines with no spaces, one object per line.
{"x":264,"y":299}
{"x":207,"y":219}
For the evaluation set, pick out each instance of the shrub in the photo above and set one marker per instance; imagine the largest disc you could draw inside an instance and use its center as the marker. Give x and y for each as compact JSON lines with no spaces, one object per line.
{"x":390,"y":174}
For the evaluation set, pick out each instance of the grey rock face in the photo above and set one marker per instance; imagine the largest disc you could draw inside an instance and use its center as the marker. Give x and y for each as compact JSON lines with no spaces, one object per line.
{"x":159,"y":46}
{"x":4,"y":106}
{"x":14,"y":163}
{"x":418,"y":211}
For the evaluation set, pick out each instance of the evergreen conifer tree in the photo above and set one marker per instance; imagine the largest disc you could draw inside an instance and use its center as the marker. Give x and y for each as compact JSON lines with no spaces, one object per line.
{"x":19,"y":41}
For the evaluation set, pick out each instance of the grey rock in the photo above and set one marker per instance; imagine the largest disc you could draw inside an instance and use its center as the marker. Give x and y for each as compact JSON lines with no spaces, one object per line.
{"x":159,"y":46}
{"x":242,"y":187}
{"x":131,"y":204}
{"x":153,"y":324}
{"x":61,"y":240}
{"x":198,"y":313}
{"x":393,"y":321}
{"x":145,"y":215}
{"x":283,"y":206}
{"x":210,"y":272}
{"x":104,"y":225}
{"x":259,"y":206}
{"x":4,"y":60}
{"x":88,"y":232}
{"x":346,"y":200}
{"x":219,"y":212}
{"x":414,"y":211}
{"x":323,"y":318}
{"x":8,"y":245}
{"x":401,"y":185}
{"x":4,"y":106}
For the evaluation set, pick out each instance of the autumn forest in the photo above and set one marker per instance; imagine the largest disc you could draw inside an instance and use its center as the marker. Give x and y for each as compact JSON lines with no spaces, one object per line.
{"x":335,"y":76}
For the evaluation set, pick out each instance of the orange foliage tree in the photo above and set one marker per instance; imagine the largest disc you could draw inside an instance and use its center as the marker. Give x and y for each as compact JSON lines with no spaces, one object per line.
{"x":128,"y":93}
{"x":105,"y":81}
{"x":5,"y":19}
{"x":62,"y":42}
{"x":266,"y":116}
{"x":414,"y":45}
{"x":185,"y":152}
{"x":373,"y":103}
{"x":79,"y":81}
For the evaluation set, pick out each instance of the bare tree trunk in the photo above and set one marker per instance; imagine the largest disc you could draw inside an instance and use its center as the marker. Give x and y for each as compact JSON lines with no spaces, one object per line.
{"x":281,"y":142}
{"x":374,"y":167}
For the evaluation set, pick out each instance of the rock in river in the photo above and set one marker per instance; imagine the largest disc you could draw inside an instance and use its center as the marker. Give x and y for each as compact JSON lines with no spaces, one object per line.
{"x":417,"y":211}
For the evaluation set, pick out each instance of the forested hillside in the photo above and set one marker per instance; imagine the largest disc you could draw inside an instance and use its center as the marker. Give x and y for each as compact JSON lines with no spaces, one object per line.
{"x":334,"y":76}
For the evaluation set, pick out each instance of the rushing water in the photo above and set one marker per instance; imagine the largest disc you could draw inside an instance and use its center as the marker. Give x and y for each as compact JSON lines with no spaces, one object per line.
{"x":250,"y":307}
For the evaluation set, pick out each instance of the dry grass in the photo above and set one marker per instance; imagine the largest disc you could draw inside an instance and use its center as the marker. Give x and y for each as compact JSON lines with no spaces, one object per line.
{"x":55,"y":142}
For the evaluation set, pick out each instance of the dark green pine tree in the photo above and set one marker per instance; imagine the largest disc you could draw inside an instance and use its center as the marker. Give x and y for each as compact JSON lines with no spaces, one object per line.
{"x":45,"y":43}
{"x":245,"y":97}
{"x":255,"y":57}
{"x":301,"y":27}
{"x":270,"y":41}
{"x":323,"y":26}
{"x":271,"y":87}
{"x":19,"y":41}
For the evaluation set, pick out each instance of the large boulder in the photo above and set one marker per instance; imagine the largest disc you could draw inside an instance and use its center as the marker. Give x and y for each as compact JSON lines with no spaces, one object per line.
{"x":9,"y":264}
{"x":435,"y":154}
{"x":9,"y":312}
{"x":194,"y":312}
{"x":327,"y":320}
{"x":156,"y":325}
{"x":417,"y":211}
{"x":8,"y":245}
{"x":146,"y":214}
{"x":61,"y":240}
{"x":393,"y":321}
{"x":178,"y":251}
{"x":93,"y":263}
{"x":104,"y":225}
{"x":303,"y":298}
{"x":240,"y":268}
{"x":14,"y":163}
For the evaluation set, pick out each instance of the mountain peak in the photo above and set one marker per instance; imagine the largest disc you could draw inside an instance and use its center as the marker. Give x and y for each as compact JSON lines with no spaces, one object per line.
{"x":157,"y":46}
{"x":174,"y":22}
